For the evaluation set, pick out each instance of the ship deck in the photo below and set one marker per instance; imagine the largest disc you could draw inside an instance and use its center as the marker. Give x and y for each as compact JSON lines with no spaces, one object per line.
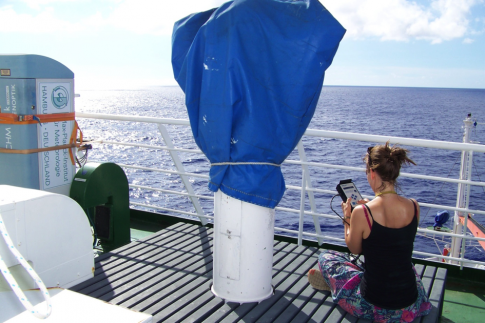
{"x":168,"y":274}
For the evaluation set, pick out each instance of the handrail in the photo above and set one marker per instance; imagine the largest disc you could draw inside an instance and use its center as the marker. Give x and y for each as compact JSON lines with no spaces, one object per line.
{"x":296,"y":162}
{"x":120,"y":117}
{"x":425,"y":143}
{"x":360,"y":169}
{"x":446,"y":145}
{"x":306,"y":189}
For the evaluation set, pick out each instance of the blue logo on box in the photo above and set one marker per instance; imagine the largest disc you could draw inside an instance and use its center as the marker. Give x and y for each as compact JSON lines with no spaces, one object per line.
{"x":60,"y":97}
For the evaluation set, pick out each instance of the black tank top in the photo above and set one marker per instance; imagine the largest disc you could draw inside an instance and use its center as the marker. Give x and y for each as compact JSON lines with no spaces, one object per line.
{"x":389,"y":281}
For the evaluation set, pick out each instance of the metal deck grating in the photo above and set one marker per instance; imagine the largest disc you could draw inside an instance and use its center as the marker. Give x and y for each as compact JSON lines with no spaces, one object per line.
{"x":169,"y":274}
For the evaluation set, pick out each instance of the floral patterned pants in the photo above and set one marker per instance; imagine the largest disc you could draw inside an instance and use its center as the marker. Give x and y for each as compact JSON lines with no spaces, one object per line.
{"x":344,"y":278}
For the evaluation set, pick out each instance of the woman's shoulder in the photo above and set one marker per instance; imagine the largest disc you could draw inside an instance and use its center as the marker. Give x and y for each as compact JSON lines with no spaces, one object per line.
{"x":360,"y":209}
{"x":415,"y":202}
{"x":363,"y":211}
{"x":416,"y":207}
{"x":411,"y":203}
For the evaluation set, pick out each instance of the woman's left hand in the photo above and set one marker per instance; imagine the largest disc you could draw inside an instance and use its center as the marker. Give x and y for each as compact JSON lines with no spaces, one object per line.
{"x":364,"y":201}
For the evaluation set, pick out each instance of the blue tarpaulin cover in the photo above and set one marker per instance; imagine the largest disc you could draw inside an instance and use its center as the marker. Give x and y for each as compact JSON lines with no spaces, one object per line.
{"x":252,"y":72}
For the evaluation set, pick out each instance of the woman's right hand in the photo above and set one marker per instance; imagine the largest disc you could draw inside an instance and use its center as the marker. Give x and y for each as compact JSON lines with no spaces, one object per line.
{"x":347,"y":209}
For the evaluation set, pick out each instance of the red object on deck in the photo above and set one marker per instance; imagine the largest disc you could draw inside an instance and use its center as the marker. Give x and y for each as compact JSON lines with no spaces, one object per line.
{"x":446,"y":251}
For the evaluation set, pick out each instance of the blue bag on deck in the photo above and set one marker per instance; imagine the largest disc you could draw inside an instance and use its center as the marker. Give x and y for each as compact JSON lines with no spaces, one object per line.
{"x":252,"y":72}
{"x":440,"y":218}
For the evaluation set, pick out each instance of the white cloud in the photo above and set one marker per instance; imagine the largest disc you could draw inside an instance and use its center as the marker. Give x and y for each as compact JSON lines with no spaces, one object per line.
{"x":468,"y":41}
{"x":398,"y":20}
{"x":45,"y":21}
{"x":155,"y":17}
{"x":38,"y":4}
{"x":139,"y":16}
{"x":402,"y":20}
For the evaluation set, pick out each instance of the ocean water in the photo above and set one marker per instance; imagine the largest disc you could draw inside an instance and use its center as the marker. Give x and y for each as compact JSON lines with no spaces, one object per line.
{"x":424,"y":113}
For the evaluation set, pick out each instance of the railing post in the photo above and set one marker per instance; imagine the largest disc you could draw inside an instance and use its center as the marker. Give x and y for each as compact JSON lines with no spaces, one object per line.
{"x":311,"y":197}
{"x":467,"y":204}
{"x":180,"y":167}
{"x":463,"y":194}
{"x":302,"y":208}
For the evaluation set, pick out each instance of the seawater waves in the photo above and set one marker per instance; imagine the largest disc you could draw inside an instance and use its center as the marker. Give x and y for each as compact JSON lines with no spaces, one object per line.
{"x":424,"y":113}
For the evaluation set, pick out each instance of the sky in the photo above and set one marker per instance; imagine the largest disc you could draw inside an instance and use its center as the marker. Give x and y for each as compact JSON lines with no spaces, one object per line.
{"x":127,"y":43}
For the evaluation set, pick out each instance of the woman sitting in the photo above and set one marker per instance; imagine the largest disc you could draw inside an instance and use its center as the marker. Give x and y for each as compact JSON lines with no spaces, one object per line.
{"x":388,"y":289}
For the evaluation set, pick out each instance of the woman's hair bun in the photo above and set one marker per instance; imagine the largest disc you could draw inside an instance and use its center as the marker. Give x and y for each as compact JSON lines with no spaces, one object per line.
{"x":398,"y":155}
{"x":387,"y":161}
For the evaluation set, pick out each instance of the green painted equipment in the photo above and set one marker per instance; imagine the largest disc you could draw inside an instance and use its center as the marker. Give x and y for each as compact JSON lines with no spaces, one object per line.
{"x":102,"y":191}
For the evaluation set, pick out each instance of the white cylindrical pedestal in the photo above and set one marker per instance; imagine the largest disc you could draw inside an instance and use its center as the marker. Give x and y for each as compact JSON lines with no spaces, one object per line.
{"x":243,"y":250}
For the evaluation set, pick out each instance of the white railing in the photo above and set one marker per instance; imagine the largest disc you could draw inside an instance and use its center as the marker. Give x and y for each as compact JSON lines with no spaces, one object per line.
{"x":306,"y":189}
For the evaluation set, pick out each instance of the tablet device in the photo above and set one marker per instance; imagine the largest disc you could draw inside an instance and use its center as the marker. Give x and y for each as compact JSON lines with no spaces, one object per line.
{"x":347,"y":189}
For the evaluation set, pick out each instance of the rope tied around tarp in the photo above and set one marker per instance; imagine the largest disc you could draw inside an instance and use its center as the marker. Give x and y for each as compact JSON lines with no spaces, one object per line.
{"x":245,"y":163}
